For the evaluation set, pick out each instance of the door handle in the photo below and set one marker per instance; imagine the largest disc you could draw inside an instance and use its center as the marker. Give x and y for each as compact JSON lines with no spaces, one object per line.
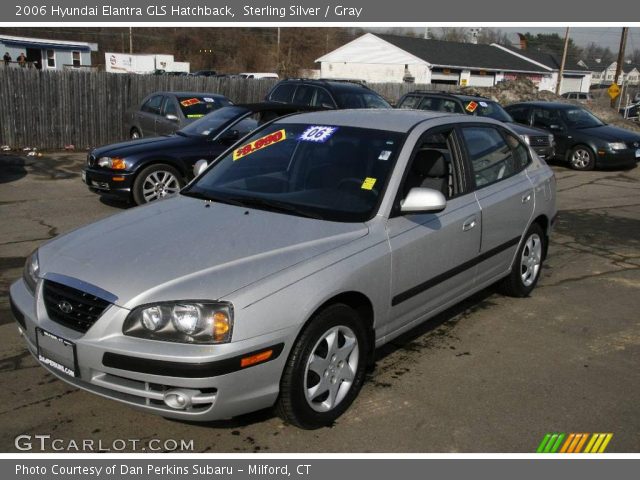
{"x":526,"y":198}
{"x":468,"y":224}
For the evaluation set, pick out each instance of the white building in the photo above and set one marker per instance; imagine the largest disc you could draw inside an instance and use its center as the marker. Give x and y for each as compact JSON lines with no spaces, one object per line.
{"x":133,"y":63}
{"x":604,"y":74}
{"x":378,"y":58}
{"x":576,"y":77}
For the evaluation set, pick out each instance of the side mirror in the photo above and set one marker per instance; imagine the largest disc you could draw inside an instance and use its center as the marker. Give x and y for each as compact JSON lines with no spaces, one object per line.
{"x":171,"y":117}
{"x":230,"y":136}
{"x":200,"y":166}
{"x":423,"y":200}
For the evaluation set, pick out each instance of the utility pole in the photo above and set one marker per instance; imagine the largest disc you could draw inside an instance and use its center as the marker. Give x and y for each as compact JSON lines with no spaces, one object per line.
{"x":426,"y":33}
{"x":130,"y":40}
{"x":278,"y":52}
{"x":620,"y":62}
{"x":564,"y":61}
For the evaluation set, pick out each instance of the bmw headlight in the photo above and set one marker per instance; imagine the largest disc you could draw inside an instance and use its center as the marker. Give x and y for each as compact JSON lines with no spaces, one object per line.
{"x":617,"y":146}
{"x":183,"y":322}
{"x":31,"y":271}
{"x":113,"y":163}
{"x":526,"y":139}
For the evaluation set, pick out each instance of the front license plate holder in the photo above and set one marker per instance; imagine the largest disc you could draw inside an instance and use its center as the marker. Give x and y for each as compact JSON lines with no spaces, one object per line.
{"x":57,"y":352}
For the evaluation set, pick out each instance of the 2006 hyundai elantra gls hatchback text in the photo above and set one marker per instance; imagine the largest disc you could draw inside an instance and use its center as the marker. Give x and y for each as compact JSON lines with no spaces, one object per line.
{"x":271,"y":277}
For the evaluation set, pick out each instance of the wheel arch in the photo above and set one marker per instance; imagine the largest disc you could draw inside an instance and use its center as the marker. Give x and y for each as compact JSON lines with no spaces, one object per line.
{"x":544,"y":223}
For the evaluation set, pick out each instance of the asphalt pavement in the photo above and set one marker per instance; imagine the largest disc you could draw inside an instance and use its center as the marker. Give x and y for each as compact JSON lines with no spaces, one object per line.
{"x":493,"y":374}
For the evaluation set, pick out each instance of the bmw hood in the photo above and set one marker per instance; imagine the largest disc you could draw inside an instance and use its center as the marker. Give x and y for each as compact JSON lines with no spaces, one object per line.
{"x":158,"y":251}
{"x":610,"y":133}
{"x":132,"y":147}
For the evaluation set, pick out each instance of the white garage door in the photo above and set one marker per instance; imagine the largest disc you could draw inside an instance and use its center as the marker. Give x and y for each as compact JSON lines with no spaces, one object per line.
{"x":482,"y":80}
{"x":571,"y":84}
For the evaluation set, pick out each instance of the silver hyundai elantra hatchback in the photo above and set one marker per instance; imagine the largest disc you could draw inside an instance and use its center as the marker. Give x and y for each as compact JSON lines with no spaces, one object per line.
{"x":272,"y":277}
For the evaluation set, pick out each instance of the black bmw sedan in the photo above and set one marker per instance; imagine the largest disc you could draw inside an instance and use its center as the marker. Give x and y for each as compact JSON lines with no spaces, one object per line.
{"x":149,"y":169}
{"x":581,"y":138}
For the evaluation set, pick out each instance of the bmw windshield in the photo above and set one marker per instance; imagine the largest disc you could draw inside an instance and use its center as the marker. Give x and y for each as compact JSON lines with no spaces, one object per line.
{"x":214,"y":122}
{"x":328,"y":172}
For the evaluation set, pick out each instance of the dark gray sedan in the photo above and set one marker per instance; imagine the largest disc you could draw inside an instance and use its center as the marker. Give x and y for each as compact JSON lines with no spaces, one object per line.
{"x":163,"y":113}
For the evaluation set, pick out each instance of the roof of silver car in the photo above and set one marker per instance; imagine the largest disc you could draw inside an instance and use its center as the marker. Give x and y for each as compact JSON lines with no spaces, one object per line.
{"x":397,"y":120}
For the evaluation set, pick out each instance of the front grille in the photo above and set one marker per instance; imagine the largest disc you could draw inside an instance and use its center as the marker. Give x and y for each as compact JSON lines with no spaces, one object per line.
{"x":71,"y":307}
{"x":539,"y":141}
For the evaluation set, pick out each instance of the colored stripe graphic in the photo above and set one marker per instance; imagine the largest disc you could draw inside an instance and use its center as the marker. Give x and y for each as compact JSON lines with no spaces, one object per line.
{"x":574,"y":443}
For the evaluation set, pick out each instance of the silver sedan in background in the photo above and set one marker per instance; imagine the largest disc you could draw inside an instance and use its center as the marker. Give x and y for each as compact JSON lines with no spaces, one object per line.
{"x":272,"y":277}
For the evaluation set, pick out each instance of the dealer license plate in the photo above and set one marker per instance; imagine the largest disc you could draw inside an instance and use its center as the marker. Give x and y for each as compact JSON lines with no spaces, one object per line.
{"x":56,"y":352}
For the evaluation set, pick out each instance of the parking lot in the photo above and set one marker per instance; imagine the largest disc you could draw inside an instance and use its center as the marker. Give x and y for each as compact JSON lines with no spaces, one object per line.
{"x":493,"y":374}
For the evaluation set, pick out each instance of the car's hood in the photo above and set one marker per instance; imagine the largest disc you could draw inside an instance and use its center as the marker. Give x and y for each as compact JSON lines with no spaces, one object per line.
{"x":611,"y":133}
{"x":155,"y":252}
{"x":132,"y":147}
{"x":524,"y":130}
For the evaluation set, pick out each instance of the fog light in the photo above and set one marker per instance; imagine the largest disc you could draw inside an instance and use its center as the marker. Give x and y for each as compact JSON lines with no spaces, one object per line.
{"x":177,"y":399}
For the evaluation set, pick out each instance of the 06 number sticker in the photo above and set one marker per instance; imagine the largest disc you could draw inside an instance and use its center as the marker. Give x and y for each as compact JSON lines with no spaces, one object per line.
{"x":317,"y":133}
{"x":259,"y":144}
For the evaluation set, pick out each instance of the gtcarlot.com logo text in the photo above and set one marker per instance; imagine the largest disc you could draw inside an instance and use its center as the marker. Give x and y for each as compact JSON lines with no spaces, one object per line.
{"x":45,"y":443}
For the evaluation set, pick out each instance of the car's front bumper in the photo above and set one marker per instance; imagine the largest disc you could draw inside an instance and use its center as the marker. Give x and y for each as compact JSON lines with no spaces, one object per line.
{"x":546,"y":152}
{"x":107,"y":182}
{"x":215,"y":394}
{"x":627,"y":158}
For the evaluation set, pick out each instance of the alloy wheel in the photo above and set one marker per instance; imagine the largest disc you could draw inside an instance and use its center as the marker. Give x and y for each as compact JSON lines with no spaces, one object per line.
{"x":159,"y":184}
{"x":531,"y":260}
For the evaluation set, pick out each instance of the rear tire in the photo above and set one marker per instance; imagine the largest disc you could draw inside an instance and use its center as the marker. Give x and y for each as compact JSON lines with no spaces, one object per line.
{"x":527,"y":265}
{"x":325,"y":370}
{"x":156,"y":182}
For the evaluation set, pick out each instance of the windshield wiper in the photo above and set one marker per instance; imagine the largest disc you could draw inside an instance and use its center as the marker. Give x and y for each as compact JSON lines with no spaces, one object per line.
{"x":275,"y":206}
{"x":211,"y":198}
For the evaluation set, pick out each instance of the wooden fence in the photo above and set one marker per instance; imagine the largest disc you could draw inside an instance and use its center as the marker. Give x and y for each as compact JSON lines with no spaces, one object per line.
{"x":50,"y":110}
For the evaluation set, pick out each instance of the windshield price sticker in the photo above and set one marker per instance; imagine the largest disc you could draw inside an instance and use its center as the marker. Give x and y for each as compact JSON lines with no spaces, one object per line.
{"x":368,"y":183}
{"x":259,"y":144}
{"x":317,"y":133}
{"x":472,"y":106}
{"x":384,"y":155}
{"x":189,"y":102}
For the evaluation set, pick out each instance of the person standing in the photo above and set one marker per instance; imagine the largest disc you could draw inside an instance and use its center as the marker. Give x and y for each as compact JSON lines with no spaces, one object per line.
{"x":7,"y":59}
{"x":22,"y":60}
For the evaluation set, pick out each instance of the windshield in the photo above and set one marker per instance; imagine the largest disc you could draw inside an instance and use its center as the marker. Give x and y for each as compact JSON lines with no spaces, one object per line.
{"x":214,"y":122}
{"x":199,"y":106}
{"x":483,"y":108}
{"x":580,"y":118}
{"x":352,"y":99}
{"x":321,"y":171}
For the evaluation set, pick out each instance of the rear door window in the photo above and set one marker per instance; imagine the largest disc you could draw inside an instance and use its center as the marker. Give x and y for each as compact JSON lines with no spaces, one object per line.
{"x":543,"y":118}
{"x":491,"y":157}
{"x":303,"y":95}
{"x":283,"y":93}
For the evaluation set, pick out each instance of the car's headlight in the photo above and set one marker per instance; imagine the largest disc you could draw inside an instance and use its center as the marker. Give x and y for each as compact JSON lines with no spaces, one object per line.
{"x":31,"y":271}
{"x":184,"y":322}
{"x":617,"y":146}
{"x":114,"y":163}
{"x":526,"y":139}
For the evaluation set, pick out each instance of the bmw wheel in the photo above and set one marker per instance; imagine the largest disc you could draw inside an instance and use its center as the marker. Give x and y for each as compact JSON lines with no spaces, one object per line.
{"x":325,"y":370}
{"x":582,"y":157}
{"x":155,"y":183}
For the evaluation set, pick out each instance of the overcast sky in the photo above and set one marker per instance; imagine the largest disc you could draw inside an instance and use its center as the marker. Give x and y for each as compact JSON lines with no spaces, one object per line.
{"x":604,"y":36}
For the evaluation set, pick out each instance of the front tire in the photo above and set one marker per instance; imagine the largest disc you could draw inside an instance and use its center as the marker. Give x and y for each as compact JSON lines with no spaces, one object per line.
{"x":156,"y":182}
{"x":528,"y":264}
{"x":582,"y":157}
{"x":325,"y":370}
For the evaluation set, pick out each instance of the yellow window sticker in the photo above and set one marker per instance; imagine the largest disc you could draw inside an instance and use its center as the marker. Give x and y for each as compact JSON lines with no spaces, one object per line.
{"x":259,"y":144}
{"x":200,"y":115}
{"x":368,"y":183}
{"x":471,"y":107}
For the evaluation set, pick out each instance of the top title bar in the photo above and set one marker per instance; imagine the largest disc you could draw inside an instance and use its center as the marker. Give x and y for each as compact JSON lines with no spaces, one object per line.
{"x":308,"y":11}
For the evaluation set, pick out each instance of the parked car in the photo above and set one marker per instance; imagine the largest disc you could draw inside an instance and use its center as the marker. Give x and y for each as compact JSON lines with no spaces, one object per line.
{"x":204,"y":73}
{"x":162,"y":113}
{"x":582,"y":139}
{"x":146,"y":170}
{"x":541,"y":141}
{"x":258,"y":76}
{"x":325,"y":93}
{"x":582,"y":97}
{"x":273,"y":275}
